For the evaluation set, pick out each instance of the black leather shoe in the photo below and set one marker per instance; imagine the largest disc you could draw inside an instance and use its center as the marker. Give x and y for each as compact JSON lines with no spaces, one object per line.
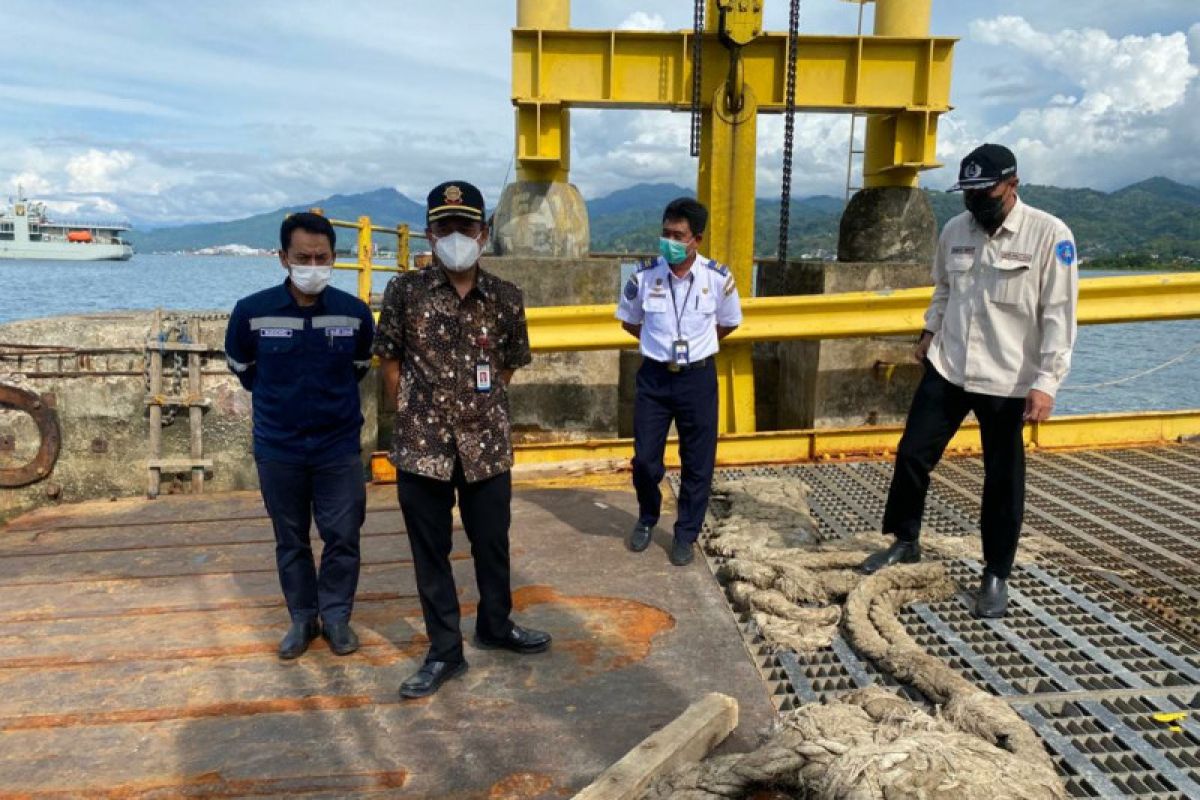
{"x":639,"y":537}
{"x":901,"y":552}
{"x":993,"y":597}
{"x":430,"y":677}
{"x":298,"y":637}
{"x":681,"y":553}
{"x":519,"y":640}
{"x":341,"y":637}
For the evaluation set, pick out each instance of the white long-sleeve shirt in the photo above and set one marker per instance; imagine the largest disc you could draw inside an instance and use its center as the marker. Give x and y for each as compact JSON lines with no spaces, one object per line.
{"x":1003,"y":309}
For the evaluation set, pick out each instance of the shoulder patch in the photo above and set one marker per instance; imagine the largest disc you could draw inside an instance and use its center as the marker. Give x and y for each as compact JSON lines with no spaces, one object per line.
{"x":1065,"y":250}
{"x":646,"y":263}
{"x":718,"y":268}
{"x":631,"y":289}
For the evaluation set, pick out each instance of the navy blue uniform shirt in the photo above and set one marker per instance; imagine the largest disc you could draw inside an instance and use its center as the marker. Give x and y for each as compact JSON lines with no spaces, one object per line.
{"x":303,"y":364}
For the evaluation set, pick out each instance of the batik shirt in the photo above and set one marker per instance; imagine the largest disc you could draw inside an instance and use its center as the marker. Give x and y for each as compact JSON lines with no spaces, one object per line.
{"x":440,"y":339}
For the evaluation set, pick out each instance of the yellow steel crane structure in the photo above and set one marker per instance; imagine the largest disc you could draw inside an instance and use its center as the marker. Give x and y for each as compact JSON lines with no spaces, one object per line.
{"x":899,"y":76}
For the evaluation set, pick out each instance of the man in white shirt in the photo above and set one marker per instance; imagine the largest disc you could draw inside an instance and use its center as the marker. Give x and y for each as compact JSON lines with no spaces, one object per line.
{"x":997,"y":341}
{"x":678,"y":306}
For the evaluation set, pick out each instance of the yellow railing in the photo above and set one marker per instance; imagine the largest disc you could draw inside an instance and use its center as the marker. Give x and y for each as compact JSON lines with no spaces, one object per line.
{"x":856,"y":314}
{"x":364,"y":263}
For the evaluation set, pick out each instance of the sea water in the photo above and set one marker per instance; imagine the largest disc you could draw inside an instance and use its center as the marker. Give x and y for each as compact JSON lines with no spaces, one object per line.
{"x":1104,"y":353}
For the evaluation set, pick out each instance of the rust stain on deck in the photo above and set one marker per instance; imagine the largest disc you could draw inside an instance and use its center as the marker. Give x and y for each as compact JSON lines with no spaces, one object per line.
{"x":243,"y":708}
{"x":213,"y":784}
{"x":617,"y":631}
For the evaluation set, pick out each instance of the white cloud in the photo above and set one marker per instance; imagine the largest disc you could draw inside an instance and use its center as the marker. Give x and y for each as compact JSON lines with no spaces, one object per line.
{"x":98,"y":171}
{"x":642,"y":21}
{"x":31,"y":183}
{"x":1128,"y":112}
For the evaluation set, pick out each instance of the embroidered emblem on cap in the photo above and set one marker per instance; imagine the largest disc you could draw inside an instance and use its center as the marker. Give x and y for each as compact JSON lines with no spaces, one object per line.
{"x":972,"y":170}
{"x":453,"y":195}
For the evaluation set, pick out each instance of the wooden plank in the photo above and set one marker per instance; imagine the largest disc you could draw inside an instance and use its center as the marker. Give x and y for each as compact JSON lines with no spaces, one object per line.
{"x":688,"y":739}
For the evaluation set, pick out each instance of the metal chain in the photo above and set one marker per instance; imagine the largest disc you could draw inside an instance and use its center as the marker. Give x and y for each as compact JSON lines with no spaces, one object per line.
{"x":789,"y":130}
{"x":697,"y":53}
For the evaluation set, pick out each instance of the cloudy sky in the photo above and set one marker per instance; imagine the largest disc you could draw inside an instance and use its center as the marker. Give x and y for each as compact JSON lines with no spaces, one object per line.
{"x":167,"y":112}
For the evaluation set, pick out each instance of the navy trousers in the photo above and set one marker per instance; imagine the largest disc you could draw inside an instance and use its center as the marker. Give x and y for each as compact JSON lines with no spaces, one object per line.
{"x":937,"y":411}
{"x":689,"y":398}
{"x":333,"y":494}
{"x":484,"y":506}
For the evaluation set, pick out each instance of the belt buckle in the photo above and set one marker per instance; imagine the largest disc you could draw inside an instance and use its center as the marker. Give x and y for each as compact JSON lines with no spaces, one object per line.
{"x":673,"y":367}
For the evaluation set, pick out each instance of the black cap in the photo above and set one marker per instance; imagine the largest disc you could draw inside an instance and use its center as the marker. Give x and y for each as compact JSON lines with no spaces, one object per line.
{"x":984,"y":167}
{"x":454,"y":199}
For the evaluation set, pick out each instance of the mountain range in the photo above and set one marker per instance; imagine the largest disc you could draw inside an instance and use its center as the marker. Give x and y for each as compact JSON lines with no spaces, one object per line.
{"x":1155,"y":220}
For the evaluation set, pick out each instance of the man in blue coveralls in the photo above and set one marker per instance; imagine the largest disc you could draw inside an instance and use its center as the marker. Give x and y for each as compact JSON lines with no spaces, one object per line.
{"x":678,"y":306}
{"x":301,"y":348}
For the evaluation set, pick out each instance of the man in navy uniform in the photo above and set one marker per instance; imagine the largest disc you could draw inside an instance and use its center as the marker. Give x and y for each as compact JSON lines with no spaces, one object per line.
{"x":997,"y":342}
{"x":301,"y":348}
{"x":679,"y":306}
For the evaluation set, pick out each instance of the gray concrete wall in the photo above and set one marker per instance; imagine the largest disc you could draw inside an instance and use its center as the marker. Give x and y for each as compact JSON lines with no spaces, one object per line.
{"x":97,"y":384}
{"x":836,"y":382}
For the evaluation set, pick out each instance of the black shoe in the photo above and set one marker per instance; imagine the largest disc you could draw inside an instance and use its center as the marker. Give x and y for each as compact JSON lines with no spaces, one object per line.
{"x":993,"y":597}
{"x":639,"y":537}
{"x":341,"y":637}
{"x":430,"y":677}
{"x":298,"y":637}
{"x":901,"y":552}
{"x":681,"y":553}
{"x":519,"y":640}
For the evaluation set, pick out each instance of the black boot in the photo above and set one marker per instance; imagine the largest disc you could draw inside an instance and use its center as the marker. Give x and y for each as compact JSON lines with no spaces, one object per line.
{"x":901,"y":552}
{"x":639,"y":537}
{"x":430,"y":677}
{"x":341,"y":637}
{"x":681,"y":553}
{"x":298,"y":638}
{"x":993,"y":597}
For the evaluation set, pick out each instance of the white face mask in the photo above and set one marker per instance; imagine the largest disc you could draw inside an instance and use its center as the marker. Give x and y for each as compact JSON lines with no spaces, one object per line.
{"x":310,"y":280}
{"x":457,"y":252}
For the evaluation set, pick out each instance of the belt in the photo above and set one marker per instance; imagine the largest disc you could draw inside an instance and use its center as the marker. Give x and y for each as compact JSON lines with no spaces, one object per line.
{"x":672,"y":367}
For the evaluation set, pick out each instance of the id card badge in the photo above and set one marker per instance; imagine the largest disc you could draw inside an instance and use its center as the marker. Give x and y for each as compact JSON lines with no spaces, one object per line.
{"x":483,"y":377}
{"x":680,"y":354}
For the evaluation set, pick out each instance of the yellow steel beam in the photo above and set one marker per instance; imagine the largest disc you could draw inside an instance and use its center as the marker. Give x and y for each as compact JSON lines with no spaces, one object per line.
{"x":554,"y":70}
{"x":1093,"y":430}
{"x":897,"y":144}
{"x":726,"y":186}
{"x":652,"y":69}
{"x":856,"y":314}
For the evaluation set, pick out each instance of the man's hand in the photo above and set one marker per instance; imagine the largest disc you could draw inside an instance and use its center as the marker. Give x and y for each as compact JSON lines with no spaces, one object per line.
{"x":922,"y":347}
{"x":390,"y":369}
{"x":633,"y":330}
{"x":1038,"y":406}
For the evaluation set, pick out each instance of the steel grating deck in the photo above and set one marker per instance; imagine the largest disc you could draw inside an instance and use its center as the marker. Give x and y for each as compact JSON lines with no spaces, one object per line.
{"x":1099,"y":655}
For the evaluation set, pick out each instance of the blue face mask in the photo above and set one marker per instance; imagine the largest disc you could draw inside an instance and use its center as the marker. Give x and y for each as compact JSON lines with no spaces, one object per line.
{"x":672,"y":251}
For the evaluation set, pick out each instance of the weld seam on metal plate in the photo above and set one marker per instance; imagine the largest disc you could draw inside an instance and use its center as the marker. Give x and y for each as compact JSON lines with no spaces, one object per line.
{"x":1045,"y":729}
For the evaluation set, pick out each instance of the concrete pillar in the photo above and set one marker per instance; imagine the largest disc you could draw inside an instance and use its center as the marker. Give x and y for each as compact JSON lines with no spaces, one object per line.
{"x":541,"y":214}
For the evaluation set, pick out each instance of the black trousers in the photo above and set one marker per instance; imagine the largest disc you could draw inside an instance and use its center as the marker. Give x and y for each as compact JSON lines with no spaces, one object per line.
{"x":690,"y":399}
{"x":333,"y":494}
{"x":938,"y":409}
{"x":485,"y":510}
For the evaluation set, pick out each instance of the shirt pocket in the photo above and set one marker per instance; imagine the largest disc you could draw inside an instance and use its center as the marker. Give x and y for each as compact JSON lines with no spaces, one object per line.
{"x":707,"y":304}
{"x":1009,"y":285}
{"x":958,"y":269}
{"x":269,"y":346}
{"x":655,"y":305}
{"x":339,"y":345}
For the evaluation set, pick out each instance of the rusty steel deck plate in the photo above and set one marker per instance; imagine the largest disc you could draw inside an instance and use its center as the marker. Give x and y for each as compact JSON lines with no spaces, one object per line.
{"x":137,"y":658}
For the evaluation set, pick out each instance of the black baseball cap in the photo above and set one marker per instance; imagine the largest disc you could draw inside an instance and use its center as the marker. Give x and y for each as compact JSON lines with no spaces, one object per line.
{"x":984,"y":167}
{"x":454,"y":199}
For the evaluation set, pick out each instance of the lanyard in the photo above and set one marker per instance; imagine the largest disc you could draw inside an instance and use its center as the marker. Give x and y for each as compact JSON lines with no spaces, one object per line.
{"x":679,"y":314}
